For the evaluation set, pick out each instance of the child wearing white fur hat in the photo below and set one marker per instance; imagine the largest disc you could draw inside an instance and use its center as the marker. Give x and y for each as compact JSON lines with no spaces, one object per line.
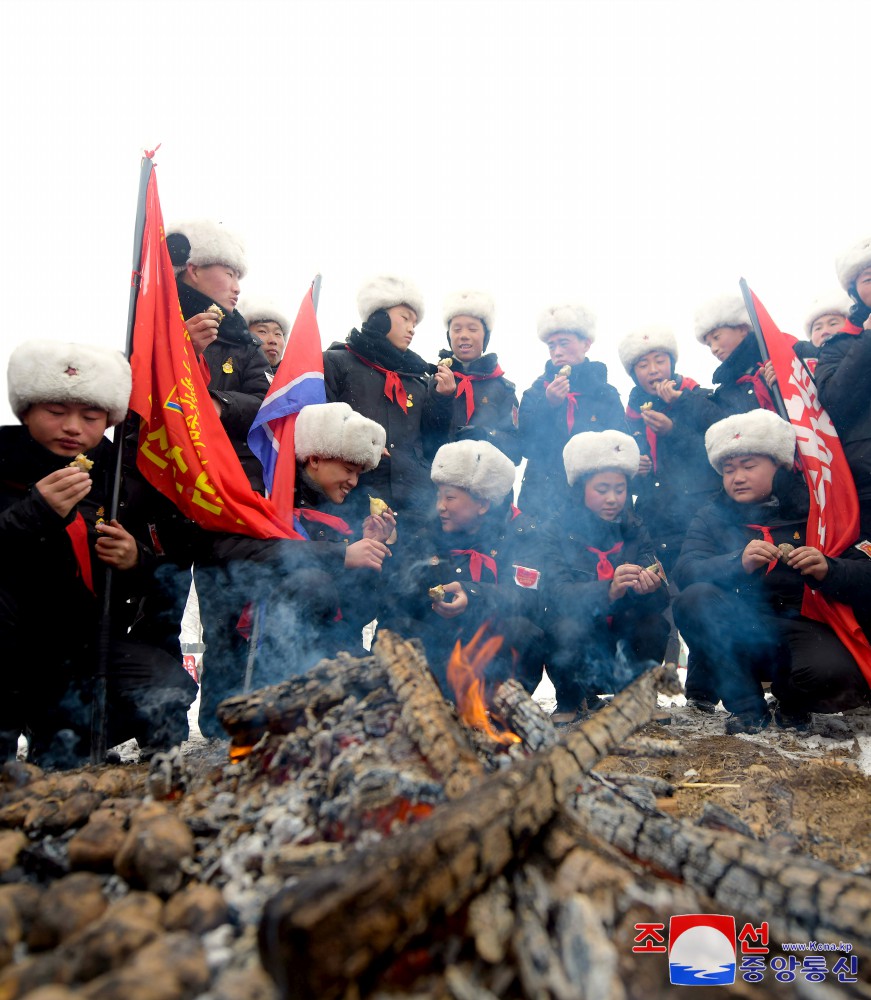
{"x":571,"y":396}
{"x":743,"y":572}
{"x":842,"y":374}
{"x":56,"y":479}
{"x":478,"y":564}
{"x":674,"y":476}
{"x":269,"y":324}
{"x":469,"y":397}
{"x":603,"y":590}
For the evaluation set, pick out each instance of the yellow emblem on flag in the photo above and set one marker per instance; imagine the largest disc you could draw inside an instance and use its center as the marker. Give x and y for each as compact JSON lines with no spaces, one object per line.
{"x":227,"y":367}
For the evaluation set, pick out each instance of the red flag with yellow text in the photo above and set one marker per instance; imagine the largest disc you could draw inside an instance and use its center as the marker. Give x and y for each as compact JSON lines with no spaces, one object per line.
{"x":183,"y":449}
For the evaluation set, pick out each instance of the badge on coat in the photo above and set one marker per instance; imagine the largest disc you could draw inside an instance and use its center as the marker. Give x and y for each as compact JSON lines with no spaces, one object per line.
{"x":526,"y":577}
{"x":864,"y":546}
{"x":227,"y":367}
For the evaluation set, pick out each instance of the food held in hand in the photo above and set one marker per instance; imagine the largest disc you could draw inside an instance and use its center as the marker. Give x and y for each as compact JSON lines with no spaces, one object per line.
{"x":785,"y":550}
{"x":81,"y":462}
{"x":566,"y":370}
{"x":437,"y":593}
{"x":217,"y":310}
{"x":647,"y":406}
{"x":377,"y":506}
{"x":446,"y":362}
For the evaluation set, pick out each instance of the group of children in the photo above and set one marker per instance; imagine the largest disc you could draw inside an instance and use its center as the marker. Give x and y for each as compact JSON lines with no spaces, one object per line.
{"x":682,"y":511}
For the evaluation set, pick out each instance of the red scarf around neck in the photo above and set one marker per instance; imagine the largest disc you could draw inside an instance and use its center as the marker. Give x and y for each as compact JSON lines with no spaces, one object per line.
{"x":477,"y":560}
{"x":604,"y":569}
{"x":649,"y":432}
{"x":465,"y":388}
{"x":394,"y":390}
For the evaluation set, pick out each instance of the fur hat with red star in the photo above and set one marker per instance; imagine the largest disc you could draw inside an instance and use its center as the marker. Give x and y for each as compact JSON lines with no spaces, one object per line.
{"x":759,"y":432}
{"x":597,"y":451}
{"x":635,"y":345}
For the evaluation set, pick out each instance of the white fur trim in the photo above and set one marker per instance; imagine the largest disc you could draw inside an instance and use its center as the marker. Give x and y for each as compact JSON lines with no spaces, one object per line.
{"x":640,"y":342}
{"x":212,"y":243}
{"x":852,"y":262}
{"x":263,"y":311}
{"x":470,"y":303}
{"x":54,"y":371}
{"x":575,"y":319}
{"x":334,"y":430}
{"x":596,"y":451}
{"x":722,"y":310}
{"x":476,"y":466}
{"x":759,"y":432}
{"x":832,"y":303}
{"x":385,"y":291}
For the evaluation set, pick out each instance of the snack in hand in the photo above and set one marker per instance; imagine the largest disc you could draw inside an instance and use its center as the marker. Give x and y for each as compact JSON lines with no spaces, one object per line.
{"x":446,"y":362}
{"x":377,"y":506}
{"x":217,"y":310}
{"x":566,"y":370}
{"x":647,"y":406}
{"x":81,"y":462}
{"x":437,"y":593}
{"x":785,"y":549}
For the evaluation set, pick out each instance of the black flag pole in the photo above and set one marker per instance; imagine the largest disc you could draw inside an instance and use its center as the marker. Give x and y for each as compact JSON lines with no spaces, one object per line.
{"x":99,"y":735}
{"x":763,"y":349}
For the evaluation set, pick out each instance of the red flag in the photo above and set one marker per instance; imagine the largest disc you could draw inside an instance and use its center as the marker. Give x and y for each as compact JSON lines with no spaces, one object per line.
{"x":833,"y":523}
{"x":183,"y":448}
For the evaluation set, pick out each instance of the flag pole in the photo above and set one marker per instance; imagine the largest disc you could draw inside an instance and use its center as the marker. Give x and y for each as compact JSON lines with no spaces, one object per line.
{"x":763,"y":349}
{"x":99,"y":736}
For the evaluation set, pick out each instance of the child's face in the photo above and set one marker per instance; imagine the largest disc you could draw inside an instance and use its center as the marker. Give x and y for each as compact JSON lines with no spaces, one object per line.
{"x":458,"y":509}
{"x":218,"y":282}
{"x":863,"y":286}
{"x":466,"y":334}
{"x":749,"y":478}
{"x":66,"y":428}
{"x":825,"y":327}
{"x":567,"y":348}
{"x":334,"y":476}
{"x":403,"y":320}
{"x":651,"y":369}
{"x":605,"y":494}
{"x":271,"y":337}
{"x":725,"y":339}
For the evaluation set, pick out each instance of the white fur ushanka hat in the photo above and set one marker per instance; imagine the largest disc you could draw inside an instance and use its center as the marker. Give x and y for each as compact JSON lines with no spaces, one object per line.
{"x":475,"y":466}
{"x":832,"y":303}
{"x":850,"y":264}
{"x":722,"y":310}
{"x":385,"y":291}
{"x":575,"y":319}
{"x":263,"y":311}
{"x":470,"y":303}
{"x":596,"y":451}
{"x":635,"y":345}
{"x":209,"y":243}
{"x":759,"y":432}
{"x":334,"y":430}
{"x":54,"y":371}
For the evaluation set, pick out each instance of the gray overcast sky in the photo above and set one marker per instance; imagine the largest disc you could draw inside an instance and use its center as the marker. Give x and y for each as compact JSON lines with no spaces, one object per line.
{"x":636,"y":156}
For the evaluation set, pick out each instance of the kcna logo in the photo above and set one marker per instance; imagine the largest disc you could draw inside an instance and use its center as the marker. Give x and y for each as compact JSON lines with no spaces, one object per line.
{"x":701,"y":949}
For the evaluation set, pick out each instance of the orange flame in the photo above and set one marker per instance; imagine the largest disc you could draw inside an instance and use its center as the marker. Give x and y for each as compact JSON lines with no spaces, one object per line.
{"x":466,"y":677}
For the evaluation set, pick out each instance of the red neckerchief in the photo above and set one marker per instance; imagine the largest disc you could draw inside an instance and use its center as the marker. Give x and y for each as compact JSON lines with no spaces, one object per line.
{"x":760,"y":387}
{"x":476,"y":561}
{"x":571,"y":407}
{"x":464,"y":387}
{"x":336,"y":523}
{"x":515,"y":512}
{"x":649,"y":432}
{"x":766,"y":537}
{"x":78,"y":534}
{"x":851,"y":328}
{"x":604,"y":569}
{"x":394,"y":390}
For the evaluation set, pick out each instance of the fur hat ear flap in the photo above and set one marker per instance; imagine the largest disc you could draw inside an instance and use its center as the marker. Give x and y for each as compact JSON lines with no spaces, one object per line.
{"x":179,"y":247}
{"x":722,"y":310}
{"x":334,"y":430}
{"x":54,"y":371}
{"x":475,"y":466}
{"x":759,"y":432}
{"x":575,"y":319}
{"x":635,"y":345}
{"x":385,"y":291}
{"x":598,"y":451}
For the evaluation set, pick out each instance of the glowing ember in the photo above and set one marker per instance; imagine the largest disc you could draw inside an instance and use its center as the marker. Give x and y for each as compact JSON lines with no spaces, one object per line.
{"x":239,"y":753}
{"x":466,"y":678}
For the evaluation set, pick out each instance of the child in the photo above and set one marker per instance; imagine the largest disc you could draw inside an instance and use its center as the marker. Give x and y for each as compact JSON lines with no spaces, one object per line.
{"x":742,"y":573}
{"x":469,"y":397}
{"x":602,"y":587}
{"x":377,"y":374}
{"x":270,"y":326}
{"x":826,"y":317}
{"x":674,"y":476}
{"x":481,"y":561}
{"x":56,"y":479}
{"x":572,"y":396}
{"x":843,"y":375}
{"x":723,"y":324}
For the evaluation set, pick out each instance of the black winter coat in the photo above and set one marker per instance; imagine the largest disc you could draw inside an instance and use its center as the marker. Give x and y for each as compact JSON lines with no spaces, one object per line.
{"x":402,"y":479}
{"x":238,"y":381}
{"x":494,"y":417}
{"x":544,"y":431}
{"x":701,"y":408}
{"x":843,"y":378}
{"x":682,"y":480}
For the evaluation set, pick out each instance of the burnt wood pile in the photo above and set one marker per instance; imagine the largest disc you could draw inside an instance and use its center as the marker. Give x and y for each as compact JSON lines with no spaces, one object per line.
{"x":362,"y":841}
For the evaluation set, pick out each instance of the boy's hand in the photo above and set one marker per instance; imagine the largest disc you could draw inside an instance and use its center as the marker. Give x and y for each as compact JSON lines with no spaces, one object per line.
{"x":116,"y":547}
{"x":645,"y":465}
{"x":445,"y":383}
{"x":648,"y":581}
{"x":757,"y":554}
{"x":380,"y":527}
{"x":203,"y":330}
{"x":809,"y":562}
{"x":458,"y":603}
{"x":667,"y":390}
{"x":558,"y":390}
{"x":659,"y":423}
{"x":366,"y":554}
{"x":768,"y":374}
{"x":625,"y":576}
{"x":63,"y":489}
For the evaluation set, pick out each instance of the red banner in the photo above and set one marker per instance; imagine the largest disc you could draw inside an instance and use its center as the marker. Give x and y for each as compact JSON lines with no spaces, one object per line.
{"x":183,"y":448}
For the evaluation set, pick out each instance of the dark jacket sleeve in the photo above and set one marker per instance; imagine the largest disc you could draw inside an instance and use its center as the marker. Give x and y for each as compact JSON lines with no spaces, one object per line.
{"x":702,"y":559}
{"x":697,"y":409}
{"x":843,"y":377}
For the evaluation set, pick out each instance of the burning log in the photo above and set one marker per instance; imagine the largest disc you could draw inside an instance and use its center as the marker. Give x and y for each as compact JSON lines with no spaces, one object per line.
{"x":331,"y":927}
{"x":524,"y":716}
